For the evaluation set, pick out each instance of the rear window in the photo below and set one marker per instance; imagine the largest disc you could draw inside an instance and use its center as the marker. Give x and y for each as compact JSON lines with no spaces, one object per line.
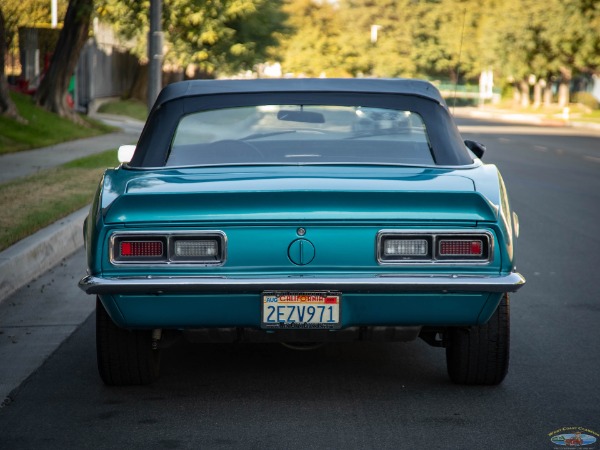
{"x":300,"y":134}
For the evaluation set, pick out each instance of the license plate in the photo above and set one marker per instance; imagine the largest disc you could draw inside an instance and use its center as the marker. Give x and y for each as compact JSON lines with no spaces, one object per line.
{"x":301,"y":310}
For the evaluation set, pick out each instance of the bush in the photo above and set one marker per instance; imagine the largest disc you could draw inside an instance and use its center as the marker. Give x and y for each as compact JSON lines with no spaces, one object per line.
{"x":586,"y":99}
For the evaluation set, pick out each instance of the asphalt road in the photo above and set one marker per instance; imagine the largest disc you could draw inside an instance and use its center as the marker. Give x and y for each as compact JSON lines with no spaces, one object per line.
{"x":367,"y":395}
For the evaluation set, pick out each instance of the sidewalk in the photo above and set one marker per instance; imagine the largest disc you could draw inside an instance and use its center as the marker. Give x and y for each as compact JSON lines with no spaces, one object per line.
{"x":31,"y":257}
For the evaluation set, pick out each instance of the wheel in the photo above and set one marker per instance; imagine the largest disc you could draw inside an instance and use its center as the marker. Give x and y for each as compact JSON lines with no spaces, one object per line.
{"x":125,"y":357}
{"x":480,"y":354}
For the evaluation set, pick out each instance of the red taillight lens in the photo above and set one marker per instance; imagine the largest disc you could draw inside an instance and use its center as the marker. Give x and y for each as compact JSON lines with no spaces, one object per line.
{"x":141,"y":249}
{"x":179,"y":248}
{"x":460,"y":247}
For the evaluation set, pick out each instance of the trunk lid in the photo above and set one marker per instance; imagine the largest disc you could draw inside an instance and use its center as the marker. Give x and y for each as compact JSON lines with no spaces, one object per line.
{"x":326,"y":194}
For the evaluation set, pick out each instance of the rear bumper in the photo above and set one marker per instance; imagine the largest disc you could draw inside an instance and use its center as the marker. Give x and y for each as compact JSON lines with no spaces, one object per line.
{"x":358,"y":285}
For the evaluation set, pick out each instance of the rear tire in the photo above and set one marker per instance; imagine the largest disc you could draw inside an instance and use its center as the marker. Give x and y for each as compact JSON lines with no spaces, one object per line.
{"x":479,"y":355}
{"x":125,"y":357}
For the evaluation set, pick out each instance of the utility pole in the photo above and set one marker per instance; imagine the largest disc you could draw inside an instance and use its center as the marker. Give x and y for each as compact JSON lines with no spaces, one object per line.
{"x":155,"y":52}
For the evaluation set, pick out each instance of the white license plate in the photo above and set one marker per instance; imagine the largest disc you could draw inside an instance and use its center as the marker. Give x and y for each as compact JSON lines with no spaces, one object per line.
{"x":301,"y":310}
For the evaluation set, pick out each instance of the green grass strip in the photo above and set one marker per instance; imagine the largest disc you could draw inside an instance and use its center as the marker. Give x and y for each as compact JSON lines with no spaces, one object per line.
{"x":43,"y":128}
{"x":34,"y":202}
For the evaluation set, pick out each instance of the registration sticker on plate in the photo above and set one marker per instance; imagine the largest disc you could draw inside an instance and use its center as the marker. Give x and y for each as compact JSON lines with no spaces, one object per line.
{"x":301,"y":310}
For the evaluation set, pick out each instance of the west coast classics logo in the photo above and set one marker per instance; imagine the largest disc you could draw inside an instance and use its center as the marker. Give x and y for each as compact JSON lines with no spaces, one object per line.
{"x":574,"y":437}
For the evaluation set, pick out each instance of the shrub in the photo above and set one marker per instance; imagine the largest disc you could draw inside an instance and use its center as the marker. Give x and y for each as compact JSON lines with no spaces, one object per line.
{"x":586,"y":99}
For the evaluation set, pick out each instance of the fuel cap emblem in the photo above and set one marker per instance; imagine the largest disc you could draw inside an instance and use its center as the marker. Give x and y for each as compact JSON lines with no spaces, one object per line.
{"x":301,"y":252}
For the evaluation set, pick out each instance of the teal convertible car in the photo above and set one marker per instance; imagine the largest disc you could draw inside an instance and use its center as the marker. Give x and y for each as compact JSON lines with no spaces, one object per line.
{"x":301,"y":211}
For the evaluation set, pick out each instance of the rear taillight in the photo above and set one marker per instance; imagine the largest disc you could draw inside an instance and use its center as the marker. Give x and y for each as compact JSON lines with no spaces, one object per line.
{"x":138,"y":248}
{"x":416,"y":246}
{"x":461,"y":247}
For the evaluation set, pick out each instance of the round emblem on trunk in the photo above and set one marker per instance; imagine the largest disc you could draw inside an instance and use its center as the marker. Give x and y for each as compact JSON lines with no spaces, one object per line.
{"x":301,"y":252}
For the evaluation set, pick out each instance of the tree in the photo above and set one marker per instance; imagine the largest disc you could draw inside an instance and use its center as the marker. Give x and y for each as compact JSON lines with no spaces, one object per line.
{"x":446,"y":38}
{"x":26,"y":13}
{"x":215,"y":36}
{"x":7,"y":107}
{"x":312,"y":47}
{"x":52,"y":91}
{"x":255,"y":34}
{"x":522,"y":53}
{"x":537,"y":42}
{"x":574,"y":40}
{"x":378,"y":37}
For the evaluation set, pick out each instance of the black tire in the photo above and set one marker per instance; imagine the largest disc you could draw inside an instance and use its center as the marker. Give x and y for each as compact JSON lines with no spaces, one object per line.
{"x":479,"y":355}
{"x":125,"y":357}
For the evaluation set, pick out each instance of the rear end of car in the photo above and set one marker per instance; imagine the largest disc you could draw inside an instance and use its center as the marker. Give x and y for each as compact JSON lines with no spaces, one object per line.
{"x":280,"y":221}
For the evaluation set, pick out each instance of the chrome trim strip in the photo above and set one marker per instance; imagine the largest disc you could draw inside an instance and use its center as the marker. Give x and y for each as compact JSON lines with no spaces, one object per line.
{"x":375,"y":284}
{"x":434,"y":234}
{"x":168,"y":235}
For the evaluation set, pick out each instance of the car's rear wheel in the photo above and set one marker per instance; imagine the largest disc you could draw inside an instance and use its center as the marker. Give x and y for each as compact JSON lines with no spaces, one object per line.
{"x":125,"y":357}
{"x":480,"y":354}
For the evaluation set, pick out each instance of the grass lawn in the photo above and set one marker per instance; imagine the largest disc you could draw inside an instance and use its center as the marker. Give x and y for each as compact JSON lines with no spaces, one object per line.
{"x":43,"y":128}
{"x":34,"y":202}
{"x":132,"y":108}
{"x":593,"y":117}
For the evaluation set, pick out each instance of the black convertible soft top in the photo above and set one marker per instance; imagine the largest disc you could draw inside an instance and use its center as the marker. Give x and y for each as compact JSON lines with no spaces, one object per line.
{"x":408,"y":86}
{"x":179,"y":99}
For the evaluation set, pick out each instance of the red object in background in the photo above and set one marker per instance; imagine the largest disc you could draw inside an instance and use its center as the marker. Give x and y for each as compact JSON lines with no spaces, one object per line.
{"x":22,"y":86}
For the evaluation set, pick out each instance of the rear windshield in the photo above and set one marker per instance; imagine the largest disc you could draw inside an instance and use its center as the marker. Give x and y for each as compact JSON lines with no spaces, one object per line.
{"x":300,"y":134}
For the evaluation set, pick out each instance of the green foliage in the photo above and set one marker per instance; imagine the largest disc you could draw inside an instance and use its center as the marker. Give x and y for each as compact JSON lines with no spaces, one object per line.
{"x":42,"y":128}
{"x":445,"y":42}
{"x":379,"y":41}
{"x":313,"y":48}
{"x":443,"y":39}
{"x":20,"y":13}
{"x":216,"y":36}
{"x":437,"y":39}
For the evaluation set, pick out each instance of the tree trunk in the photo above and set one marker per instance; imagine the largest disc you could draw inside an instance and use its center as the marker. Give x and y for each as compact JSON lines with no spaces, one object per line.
{"x":563,"y":94}
{"x":139,"y":86}
{"x":563,"y":87}
{"x":537,"y":94}
{"x":548,"y":94}
{"x":53,"y":89}
{"x":7,"y":106}
{"x":516,"y":95}
{"x":524,"y":86}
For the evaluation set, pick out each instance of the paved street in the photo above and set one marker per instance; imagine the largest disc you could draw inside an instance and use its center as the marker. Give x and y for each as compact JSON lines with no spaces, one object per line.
{"x":367,"y":395}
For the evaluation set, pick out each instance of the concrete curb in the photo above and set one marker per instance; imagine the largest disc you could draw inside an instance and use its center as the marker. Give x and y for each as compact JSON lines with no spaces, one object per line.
{"x":34,"y":255}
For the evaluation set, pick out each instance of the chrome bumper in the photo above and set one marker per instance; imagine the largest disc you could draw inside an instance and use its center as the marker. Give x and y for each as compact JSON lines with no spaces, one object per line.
{"x":364,"y":285}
